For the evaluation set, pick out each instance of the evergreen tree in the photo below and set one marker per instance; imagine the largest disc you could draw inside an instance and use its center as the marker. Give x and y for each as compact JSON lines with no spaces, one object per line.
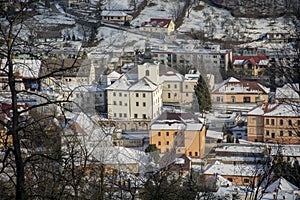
{"x":203,"y":95}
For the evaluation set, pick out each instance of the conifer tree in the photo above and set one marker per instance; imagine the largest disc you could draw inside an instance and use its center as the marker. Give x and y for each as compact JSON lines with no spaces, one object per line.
{"x":203,"y":95}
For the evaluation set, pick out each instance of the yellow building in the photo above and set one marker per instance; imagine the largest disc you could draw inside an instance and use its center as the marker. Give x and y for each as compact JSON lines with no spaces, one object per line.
{"x":158,"y":25}
{"x":234,"y":91}
{"x":274,"y":123}
{"x":182,"y":132}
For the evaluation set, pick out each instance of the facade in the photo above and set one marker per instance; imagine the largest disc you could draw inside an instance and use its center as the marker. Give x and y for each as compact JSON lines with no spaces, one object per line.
{"x":213,"y":59}
{"x":182,"y":132}
{"x":233,"y":91}
{"x":136,"y":97}
{"x":253,"y":66}
{"x":158,"y":25}
{"x":274,"y":123}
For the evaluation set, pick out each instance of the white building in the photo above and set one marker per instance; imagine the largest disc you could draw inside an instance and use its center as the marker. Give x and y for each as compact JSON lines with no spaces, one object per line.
{"x":136,"y":96}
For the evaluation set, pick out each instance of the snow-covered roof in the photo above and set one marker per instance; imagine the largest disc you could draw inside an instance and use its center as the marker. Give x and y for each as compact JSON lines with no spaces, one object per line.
{"x":113,"y":13}
{"x":170,"y":77}
{"x":283,"y":185}
{"x":241,"y":87}
{"x":144,"y":84}
{"x":234,"y":169}
{"x":173,"y":126}
{"x":285,"y":110}
{"x":240,"y":148}
{"x":121,"y":84}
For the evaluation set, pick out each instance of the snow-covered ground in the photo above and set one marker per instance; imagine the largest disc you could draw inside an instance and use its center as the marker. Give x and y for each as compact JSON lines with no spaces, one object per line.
{"x":221,"y":24}
{"x":158,"y":9}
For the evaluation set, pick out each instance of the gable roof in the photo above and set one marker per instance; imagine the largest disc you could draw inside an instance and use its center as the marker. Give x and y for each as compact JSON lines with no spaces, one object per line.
{"x":144,"y":84}
{"x":113,"y":13}
{"x":281,"y":184}
{"x":158,"y":22}
{"x":234,"y":170}
{"x":238,"y":60}
{"x":121,"y":84}
{"x":290,"y":109}
{"x":234,"y":86}
{"x":177,"y":121}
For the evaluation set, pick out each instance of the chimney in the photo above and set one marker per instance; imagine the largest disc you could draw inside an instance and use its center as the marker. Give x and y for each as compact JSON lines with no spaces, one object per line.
{"x":272,"y":93}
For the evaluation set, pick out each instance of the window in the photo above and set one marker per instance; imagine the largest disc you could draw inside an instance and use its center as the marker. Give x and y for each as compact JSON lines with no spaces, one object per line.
{"x":190,"y":153}
{"x":232,"y":99}
{"x":159,"y":134}
{"x":120,"y":115}
{"x":115,"y":114}
{"x":125,"y":95}
{"x":169,"y":86}
{"x":136,"y":94}
{"x":159,"y":143}
{"x":246,"y":180}
{"x":144,"y":95}
{"x":120,"y":94}
{"x":281,"y":133}
{"x":125,"y":115}
{"x":272,"y":122}
{"x":246,"y":99}
{"x":144,"y":104}
{"x":219,"y":99}
{"x":115,"y":103}
{"x":168,"y":142}
{"x":281,"y":122}
{"x":229,"y":179}
{"x":125,"y":104}
{"x":144,"y":116}
{"x":267,"y":121}
{"x":135,"y":115}
{"x":169,"y":95}
{"x":273,"y":135}
{"x":267,"y":132}
{"x":167,"y":133}
{"x":147,"y":73}
{"x":137,"y":103}
{"x":175,"y":86}
{"x":186,"y":94}
{"x":120,"y":103}
{"x":290,"y":122}
{"x":114,"y":94}
{"x":196,"y":153}
{"x":290,"y":133}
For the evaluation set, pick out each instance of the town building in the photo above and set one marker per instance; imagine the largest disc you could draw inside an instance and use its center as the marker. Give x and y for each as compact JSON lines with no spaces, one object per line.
{"x":240,"y":95}
{"x":274,"y":123}
{"x":237,"y":174}
{"x":115,"y":16}
{"x":181,"y":132}
{"x":158,"y":26}
{"x":250,"y":66}
{"x":136,"y":96}
{"x":187,"y":56}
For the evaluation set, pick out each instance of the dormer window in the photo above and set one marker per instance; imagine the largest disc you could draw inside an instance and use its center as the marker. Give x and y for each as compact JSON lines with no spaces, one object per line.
{"x":147,"y":73}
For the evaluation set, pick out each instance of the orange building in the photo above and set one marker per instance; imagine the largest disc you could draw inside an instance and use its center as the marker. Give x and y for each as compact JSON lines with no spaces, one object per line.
{"x":274,"y":123}
{"x":183,"y":132}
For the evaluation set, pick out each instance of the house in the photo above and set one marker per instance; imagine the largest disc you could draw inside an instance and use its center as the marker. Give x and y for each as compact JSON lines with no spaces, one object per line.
{"x":274,"y":123}
{"x":237,"y":174}
{"x":234,"y":91}
{"x":251,"y":66}
{"x":182,"y":132}
{"x":115,"y":16}
{"x":159,"y":26}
